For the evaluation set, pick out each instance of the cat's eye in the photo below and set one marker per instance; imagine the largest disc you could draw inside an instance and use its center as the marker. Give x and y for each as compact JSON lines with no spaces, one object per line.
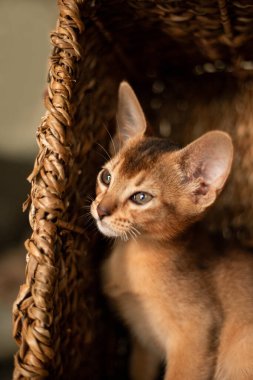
{"x":141,"y":198}
{"x":105,"y":177}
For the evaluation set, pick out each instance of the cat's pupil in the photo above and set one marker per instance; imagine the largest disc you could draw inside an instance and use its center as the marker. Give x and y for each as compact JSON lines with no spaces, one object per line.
{"x":105,"y":177}
{"x":141,"y":198}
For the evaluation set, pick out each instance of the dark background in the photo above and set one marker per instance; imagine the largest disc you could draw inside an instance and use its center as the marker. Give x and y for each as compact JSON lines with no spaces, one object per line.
{"x":25,"y":28}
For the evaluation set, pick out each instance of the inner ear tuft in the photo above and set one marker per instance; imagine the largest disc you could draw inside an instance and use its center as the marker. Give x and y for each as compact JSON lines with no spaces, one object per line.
{"x":202,"y":189}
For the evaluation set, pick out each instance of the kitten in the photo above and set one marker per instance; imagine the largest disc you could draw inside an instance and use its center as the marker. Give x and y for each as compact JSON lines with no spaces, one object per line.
{"x":187,"y":301}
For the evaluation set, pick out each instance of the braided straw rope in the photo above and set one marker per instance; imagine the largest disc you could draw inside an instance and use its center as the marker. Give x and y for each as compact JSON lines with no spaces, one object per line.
{"x":34,"y":308}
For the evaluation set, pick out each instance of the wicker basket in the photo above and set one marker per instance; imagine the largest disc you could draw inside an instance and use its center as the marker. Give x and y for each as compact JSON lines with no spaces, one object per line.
{"x":190,"y":63}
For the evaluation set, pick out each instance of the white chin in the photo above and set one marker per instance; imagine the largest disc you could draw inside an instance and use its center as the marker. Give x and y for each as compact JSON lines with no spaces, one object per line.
{"x":106,"y":230}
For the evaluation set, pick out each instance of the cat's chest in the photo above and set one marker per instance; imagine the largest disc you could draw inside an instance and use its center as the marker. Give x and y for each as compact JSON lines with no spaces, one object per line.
{"x":131,"y":270}
{"x":136,"y":281}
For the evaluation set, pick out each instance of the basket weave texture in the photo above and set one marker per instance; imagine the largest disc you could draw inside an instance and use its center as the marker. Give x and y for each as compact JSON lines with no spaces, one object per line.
{"x":190,"y":62}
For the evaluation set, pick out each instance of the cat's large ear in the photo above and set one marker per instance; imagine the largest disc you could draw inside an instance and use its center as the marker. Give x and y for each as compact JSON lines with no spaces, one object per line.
{"x":130,"y":117}
{"x":205,"y":165}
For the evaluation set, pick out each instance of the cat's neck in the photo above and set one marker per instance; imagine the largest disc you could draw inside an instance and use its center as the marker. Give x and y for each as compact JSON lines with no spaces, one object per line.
{"x":151,"y":242}
{"x":193,"y":239}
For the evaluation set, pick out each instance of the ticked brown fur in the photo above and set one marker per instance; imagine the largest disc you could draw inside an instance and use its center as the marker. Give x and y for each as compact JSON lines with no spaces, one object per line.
{"x":187,"y":300}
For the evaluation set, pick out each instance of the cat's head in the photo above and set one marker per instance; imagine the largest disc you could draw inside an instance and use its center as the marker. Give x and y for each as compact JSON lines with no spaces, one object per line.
{"x":153,"y":188}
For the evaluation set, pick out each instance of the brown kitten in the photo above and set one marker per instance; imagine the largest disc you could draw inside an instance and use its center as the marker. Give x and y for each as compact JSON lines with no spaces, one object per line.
{"x":186,"y":300}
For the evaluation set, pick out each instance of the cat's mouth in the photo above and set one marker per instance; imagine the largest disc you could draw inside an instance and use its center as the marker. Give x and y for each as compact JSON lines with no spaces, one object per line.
{"x":107,"y":230}
{"x":124,"y":234}
{"x":115,"y":228}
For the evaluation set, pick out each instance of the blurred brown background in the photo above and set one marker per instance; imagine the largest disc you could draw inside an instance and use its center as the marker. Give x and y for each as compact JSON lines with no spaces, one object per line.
{"x":25,"y":28}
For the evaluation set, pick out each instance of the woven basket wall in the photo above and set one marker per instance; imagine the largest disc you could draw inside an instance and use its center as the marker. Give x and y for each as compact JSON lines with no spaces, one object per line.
{"x":190,"y":63}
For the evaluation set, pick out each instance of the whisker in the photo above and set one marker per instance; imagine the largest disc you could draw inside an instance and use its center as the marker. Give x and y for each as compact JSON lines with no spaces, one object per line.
{"x":113,"y":145}
{"x":89,"y":220}
{"x":103,"y":156}
{"x":85,"y":217}
{"x":87,"y":213}
{"x":132,"y":234}
{"x":82,"y":216}
{"x":135,"y":229}
{"x":94,"y":228}
{"x":90,"y":223}
{"x":101,"y":146}
{"x":91,"y":227}
{"x":88,"y":203}
{"x":89,"y":198}
{"x":87,"y":207}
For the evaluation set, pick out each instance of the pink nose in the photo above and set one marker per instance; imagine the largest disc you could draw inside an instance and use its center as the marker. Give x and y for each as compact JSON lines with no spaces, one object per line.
{"x":102,"y":212}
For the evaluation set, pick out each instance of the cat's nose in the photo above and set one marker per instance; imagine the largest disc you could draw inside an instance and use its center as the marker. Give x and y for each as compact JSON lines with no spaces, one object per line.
{"x":102,"y":211}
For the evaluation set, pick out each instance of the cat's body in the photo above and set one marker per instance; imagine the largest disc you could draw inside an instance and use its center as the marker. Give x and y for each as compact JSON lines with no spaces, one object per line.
{"x":190,"y":296}
{"x":187,"y":301}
